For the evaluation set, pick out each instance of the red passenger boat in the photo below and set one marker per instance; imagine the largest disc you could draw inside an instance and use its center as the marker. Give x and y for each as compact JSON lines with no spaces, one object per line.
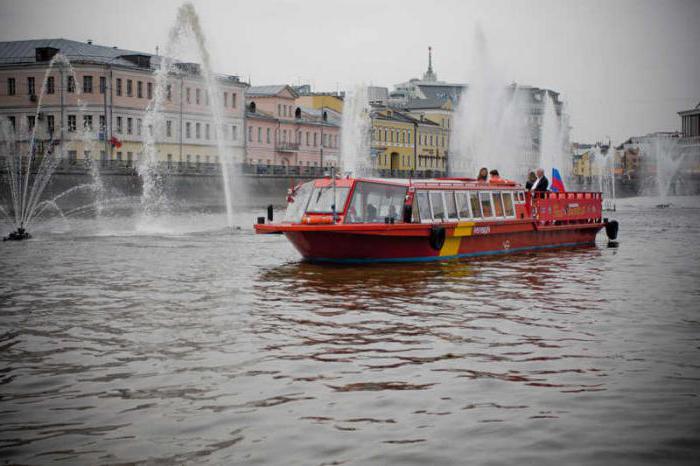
{"x":363,"y":220}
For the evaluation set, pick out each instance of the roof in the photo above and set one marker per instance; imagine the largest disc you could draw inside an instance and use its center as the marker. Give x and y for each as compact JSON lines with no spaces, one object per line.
{"x":271,"y":90}
{"x":23,"y":52}
{"x":414,"y":104}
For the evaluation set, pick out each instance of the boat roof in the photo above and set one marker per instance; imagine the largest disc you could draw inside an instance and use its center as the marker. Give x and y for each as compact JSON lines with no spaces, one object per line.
{"x":429,"y":183}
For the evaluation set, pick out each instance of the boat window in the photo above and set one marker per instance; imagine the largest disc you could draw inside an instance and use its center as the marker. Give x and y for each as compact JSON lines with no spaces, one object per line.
{"x":323,"y":199}
{"x":415,"y":214}
{"x":475,"y":204}
{"x":374,"y":202}
{"x":508,"y":204}
{"x":451,"y":205}
{"x":297,"y":206}
{"x":423,"y":206}
{"x":438,"y":205}
{"x":485,"y":199}
{"x":497,"y":204}
{"x":463,"y":204}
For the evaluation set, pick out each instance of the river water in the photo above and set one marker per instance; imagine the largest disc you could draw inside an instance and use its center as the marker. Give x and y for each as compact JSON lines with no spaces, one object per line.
{"x":177,"y":341}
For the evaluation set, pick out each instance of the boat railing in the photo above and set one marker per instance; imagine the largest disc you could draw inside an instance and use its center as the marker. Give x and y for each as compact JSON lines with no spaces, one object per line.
{"x":560,"y":208}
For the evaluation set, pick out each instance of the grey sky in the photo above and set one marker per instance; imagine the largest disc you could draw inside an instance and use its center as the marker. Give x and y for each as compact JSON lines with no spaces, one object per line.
{"x":623,"y":67}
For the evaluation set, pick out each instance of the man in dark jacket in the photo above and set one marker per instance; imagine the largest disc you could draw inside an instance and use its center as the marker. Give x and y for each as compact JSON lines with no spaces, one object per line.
{"x":542,"y":183}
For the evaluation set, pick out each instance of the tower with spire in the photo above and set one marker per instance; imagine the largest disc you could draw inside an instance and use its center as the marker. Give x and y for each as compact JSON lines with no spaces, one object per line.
{"x":430,"y":74}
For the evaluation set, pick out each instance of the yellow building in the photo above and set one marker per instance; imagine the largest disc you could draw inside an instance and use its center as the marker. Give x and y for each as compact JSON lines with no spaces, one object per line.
{"x":320,"y":101}
{"x":393,"y":141}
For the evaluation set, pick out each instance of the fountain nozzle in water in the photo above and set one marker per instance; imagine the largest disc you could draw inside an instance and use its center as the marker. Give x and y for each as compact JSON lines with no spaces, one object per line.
{"x":18,"y":235}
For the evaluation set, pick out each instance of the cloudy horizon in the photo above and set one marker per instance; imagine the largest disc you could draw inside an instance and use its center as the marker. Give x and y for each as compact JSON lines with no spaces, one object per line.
{"x":623,"y":68}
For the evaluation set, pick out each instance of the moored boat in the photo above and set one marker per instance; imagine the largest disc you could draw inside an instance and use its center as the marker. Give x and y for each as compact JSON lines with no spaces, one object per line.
{"x":363,"y":220}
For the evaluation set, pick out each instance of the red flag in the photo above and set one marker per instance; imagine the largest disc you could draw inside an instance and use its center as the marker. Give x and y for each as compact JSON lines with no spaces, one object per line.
{"x":115,"y":142}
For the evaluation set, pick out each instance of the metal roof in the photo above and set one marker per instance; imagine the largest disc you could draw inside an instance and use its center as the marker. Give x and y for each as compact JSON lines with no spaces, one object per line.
{"x":271,"y":90}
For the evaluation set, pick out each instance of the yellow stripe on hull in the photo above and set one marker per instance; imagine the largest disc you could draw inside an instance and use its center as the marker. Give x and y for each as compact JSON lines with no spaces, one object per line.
{"x":452,"y":243}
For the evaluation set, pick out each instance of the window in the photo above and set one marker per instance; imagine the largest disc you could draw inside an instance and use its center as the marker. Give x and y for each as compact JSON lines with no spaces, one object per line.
{"x":11,"y":86}
{"x":497,"y":204}
{"x":119,"y":156}
{"x":119,"y":124}
{"x":70,"y":87}
{"x":72,"y":157}
{"x":31,"y":85}
{"x":103,"y":84}
{"x":72,"y":125}
{"x":438,"y":205}
{"x":198,"y":130}
{"x":462,"y":199}
{"x":250,"y":134}
{"x":170,"y":160}
{"x":485,"y":199}
{"x":129,"y":88}
{"x":50,"y":85}
{"x":508,"y":204}
{"x":475,"y":204}
{"x":31,"y":122}
{"x":139,"y":89}
{"x":197,"y":94}
{"x":315,"y":142}
{"x":374,"y":202}
{"x":119,"y":86}
{"x":259,"y":134}
{"x":233,"y":100}
{"x":423,"y":206}
{"x":50,"y":124}
{"x":187,"y":95}
{"x":307,"y":138}
{"x":139,"y":125}
{"x":129,"y":125}
{"x":87,"y":122}
{"x":206,"y":97}
{"x":188,"y":130}
{"x":233,"y":132}
{"x":207,"y":131}
{"x":169,"y":128}
{"x":267,"y":135}
{"x":87,"y":84}
{"x":225,"y":99}
{"x":451,"y":205}
{"x":169,"y":92}
{"x":103,"y":123}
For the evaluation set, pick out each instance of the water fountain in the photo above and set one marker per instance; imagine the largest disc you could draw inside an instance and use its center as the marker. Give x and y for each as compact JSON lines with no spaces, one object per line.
{"x":187,"y":25}
{"x":662,"y":157}
{"x":553,"y":152}
{"x":491,"y":126}
{"x":603,"y":173}
{"x":31,"y":157}
{"x":355,"y":138}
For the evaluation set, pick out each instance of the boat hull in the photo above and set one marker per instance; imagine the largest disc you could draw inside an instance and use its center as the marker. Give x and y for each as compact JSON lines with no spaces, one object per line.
{"x":461,"y":242}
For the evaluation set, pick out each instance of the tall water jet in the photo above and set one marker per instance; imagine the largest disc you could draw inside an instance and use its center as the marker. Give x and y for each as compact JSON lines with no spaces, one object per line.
{"x":355,"y":136}
{"x":491,"y":123}
{"x":186,"y":25}
{"x":662,"y":157}
{"x":550,"y":149}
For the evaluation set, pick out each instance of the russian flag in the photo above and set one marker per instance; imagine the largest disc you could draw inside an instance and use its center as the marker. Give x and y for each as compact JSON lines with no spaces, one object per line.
{"x":557,"y":183}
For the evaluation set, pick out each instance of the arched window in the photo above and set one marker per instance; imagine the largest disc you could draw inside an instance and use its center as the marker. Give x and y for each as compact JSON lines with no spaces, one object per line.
{"x":252,"y":107}
{"x":325,"y":116}
{"x":297,"y":113}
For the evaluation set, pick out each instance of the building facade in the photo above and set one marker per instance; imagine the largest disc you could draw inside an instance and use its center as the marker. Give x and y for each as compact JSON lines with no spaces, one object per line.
{"x":93,"y":100}
{"x":284,"y":137}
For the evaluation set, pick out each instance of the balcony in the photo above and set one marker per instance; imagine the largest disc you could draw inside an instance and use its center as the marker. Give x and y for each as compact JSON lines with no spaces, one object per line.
{"x":287,"y":146}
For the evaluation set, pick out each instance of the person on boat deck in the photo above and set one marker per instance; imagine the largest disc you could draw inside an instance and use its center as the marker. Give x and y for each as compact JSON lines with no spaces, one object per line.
{"x":531,"y":178}
{"x":483,"y":174}
{"x":541,"y":183}
{"x":495,"y":177}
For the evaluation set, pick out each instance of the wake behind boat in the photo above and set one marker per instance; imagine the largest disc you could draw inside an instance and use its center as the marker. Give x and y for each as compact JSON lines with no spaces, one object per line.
{"x":364,"y":220}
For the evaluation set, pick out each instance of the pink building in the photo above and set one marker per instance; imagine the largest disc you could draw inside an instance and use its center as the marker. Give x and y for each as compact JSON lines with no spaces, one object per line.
{"x":283,"y":137}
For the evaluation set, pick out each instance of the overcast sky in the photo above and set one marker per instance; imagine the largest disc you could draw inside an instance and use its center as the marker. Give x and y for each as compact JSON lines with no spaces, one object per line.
{"x":624,"y":68}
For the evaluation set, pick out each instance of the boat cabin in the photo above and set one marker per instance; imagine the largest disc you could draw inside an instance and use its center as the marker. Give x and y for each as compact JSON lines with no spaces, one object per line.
{"x":367,"y":200}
